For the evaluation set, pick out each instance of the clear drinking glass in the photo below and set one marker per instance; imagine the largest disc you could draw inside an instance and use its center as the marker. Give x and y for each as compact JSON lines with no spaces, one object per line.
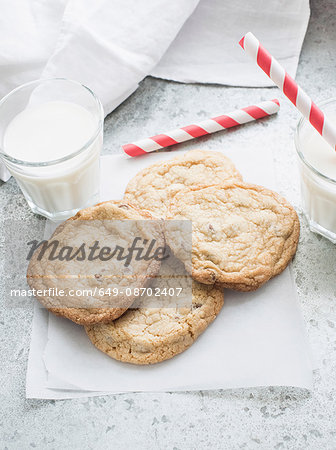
{"x":56,"y":189}
{"x":318,"y":191}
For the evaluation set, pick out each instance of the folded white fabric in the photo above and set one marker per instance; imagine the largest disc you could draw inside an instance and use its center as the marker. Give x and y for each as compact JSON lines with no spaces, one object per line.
{"x":111,"y":45}
{"x":206,"y":49}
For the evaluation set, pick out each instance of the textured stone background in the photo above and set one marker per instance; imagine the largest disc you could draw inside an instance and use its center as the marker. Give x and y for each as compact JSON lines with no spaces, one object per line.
{"x":253,"y":419}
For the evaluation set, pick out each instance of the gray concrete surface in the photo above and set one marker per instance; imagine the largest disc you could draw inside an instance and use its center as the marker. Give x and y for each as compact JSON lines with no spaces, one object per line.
{"x":250,"y":418}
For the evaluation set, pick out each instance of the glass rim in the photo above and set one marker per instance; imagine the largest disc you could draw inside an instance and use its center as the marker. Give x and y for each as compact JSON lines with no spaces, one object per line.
{"x":95,"y":134}
{"x":303,"y":121}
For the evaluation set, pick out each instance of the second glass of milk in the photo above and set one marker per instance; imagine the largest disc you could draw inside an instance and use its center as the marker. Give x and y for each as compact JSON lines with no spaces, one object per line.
{"x":317,"y":162}
{"x":51,"y":135}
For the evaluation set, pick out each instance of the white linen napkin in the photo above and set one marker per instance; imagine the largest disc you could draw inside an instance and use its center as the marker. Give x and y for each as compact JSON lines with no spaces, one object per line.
{"x":206,"y":49}
{"x":111,"y":45}
{"x":258,"y":339}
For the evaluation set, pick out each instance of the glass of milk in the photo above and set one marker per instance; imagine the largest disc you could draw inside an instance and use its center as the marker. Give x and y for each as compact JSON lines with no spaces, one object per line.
{"x":317,"y":163}
{"x":51,"y":134}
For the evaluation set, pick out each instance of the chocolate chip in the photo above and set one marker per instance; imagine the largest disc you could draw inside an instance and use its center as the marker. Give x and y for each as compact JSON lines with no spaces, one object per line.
{"x":124,"y":206}
{"x":213,"y":276}
{"x":211,"y":227}
{"x":98,"y":275}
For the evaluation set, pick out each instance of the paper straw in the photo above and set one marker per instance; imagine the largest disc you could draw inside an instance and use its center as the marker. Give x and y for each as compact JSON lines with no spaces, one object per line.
{"x":232,"y":119}
{"x":290,"y":88}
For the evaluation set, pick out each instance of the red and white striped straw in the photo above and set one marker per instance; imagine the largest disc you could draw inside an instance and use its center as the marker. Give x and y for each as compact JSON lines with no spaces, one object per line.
{"x":290,"y":88}
{"x":232,"y":119}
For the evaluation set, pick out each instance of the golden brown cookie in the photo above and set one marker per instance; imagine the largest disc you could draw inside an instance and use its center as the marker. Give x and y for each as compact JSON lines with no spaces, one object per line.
{"x":152,"y":188}
{"x":152,"y":335}
{"x":90,"y":287}
{"x":242,"y":235}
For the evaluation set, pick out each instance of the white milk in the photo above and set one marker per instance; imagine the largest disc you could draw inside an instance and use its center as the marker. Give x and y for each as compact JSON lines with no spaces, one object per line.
{"x":48,"y":132}
{"x":318,"y":193}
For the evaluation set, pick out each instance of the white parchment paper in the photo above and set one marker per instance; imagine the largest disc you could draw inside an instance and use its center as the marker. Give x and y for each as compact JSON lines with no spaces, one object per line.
{"x":259,"y":338}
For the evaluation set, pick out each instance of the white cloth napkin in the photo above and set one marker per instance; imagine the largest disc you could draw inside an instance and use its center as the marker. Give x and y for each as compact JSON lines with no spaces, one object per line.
{"x":111,"y":45}
{"x":258,"y":339}
{"x":206,"y":50}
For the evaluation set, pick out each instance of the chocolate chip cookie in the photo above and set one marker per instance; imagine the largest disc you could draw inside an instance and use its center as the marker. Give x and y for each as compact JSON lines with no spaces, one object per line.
{"x":152,"y":188}
{"x":242,"y":234}
{"x":86,"y":271}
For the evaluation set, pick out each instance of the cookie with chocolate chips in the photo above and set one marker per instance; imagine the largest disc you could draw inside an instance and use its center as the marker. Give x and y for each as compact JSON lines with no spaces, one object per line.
{"x":242,"y":234}
{"x":148,"y":335}
{"x":87,"y":272}
{"x":152,"y":188}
